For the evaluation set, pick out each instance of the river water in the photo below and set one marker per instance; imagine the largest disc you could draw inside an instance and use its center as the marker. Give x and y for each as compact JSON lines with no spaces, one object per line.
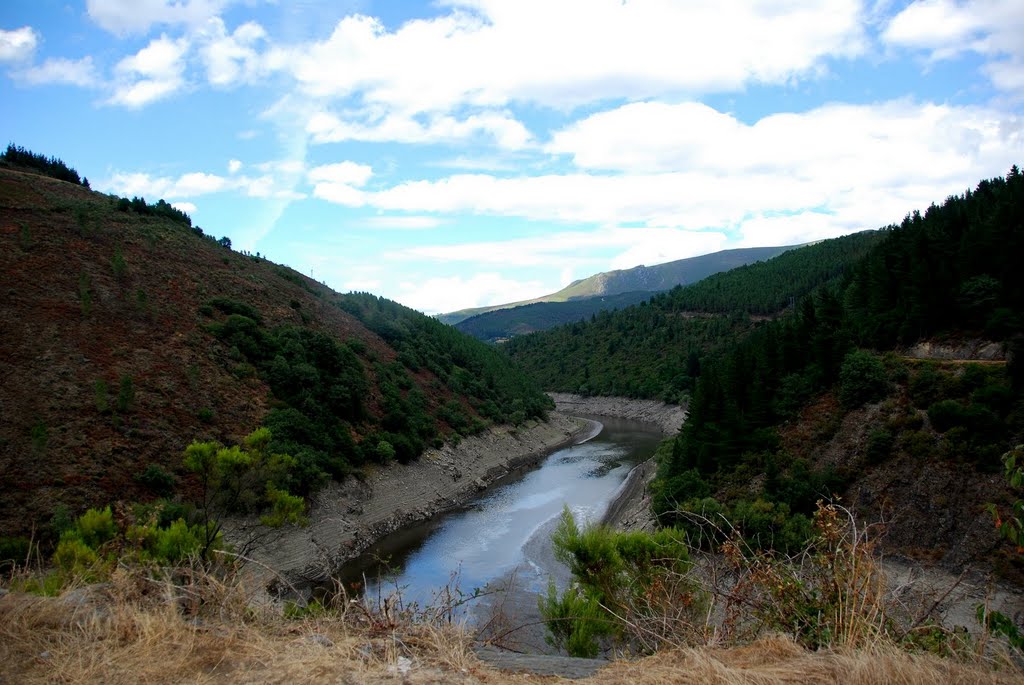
{"x":502,"y":540}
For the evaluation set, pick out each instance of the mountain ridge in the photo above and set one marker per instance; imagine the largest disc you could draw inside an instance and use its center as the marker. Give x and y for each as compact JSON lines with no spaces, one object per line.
{"x":636,"y":279}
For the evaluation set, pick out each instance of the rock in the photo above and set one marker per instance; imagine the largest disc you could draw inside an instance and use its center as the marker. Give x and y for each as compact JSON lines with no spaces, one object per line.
{"x":540,"y":664}
{"x":321,"y":640}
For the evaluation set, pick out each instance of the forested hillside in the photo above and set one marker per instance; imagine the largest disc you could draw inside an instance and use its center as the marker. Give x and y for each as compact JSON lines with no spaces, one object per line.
{"x":610,"y":284}
{"x":813,"y":402}
{"x":502,"y":324}
{"x":655,"y":350}
{"x":129,"y":333}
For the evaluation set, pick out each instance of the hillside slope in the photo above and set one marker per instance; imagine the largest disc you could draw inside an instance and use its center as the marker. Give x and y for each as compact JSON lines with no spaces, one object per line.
{"x":654,"y":350}
{"x":648,"y":279}
{"x":127,"y":335}
{"x":830,"y":399}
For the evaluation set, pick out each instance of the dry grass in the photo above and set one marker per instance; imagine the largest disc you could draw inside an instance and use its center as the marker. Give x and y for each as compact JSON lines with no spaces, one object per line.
{"x":133,"y":630}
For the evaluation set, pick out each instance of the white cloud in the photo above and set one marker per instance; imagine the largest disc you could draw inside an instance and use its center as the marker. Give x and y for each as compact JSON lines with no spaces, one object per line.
{"x":186,"y":207}
{"x":448,"y":294}
{"x":627,"y":247}
{"x":230,"y":57}
{"x":376,"y":126}
{"x":17,"y":45}
{"x":154,"y":72}
{"x":233,"y":166}
{"x":489,"y":53}
{"x":137,"y":16}
{"x":944,"y":28}
{"x":794,"y":229}
{"x":336,"y":182}
{"x":80,"y":72}
{"x":831,"y":170}
{"x":885,"y":142}
{"x":196,"y":184}
{"x":349,"y":173}
{"x":405,"y":222}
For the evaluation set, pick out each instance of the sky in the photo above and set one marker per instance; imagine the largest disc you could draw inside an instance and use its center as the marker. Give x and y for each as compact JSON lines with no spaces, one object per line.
{"x":464,"y":153}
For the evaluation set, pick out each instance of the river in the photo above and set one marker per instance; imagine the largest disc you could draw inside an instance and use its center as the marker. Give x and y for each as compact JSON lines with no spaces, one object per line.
{"x":502,"y":539}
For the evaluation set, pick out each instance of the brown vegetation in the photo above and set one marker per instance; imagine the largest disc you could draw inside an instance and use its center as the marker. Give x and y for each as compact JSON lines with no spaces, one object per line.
{"x":134,"y":631}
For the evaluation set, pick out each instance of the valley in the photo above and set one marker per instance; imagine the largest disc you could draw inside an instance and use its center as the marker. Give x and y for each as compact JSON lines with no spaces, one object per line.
{"x":857,"y":403}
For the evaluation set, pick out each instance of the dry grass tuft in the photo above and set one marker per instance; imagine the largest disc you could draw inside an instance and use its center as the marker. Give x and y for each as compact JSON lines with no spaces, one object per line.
{"x":116,"y":633}
{"x":779,"y":660}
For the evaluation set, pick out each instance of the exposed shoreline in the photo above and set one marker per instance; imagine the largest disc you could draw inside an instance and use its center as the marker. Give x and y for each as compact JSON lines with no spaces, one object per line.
{"x":346,"y":518}
{"x":630,"y":508}
{"x":667,"y":417}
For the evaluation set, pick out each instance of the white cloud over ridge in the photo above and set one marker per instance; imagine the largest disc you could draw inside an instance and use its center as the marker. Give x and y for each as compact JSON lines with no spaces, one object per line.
{"x":196,"y":184}
{"x":451,"y":293}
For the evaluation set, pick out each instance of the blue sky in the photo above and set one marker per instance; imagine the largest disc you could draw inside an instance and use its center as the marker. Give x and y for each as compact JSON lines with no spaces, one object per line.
{"x":471,"y":152}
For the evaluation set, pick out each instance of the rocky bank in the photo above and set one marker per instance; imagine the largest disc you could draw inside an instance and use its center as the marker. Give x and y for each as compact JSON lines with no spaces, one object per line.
{"x":667,"y":417}
{"x":630,"y":509}
{"x":346,"y":518}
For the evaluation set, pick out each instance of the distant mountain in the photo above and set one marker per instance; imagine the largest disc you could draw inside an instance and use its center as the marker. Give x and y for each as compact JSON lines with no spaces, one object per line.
{"x":540,"y":316}
{"x":649,"y":279}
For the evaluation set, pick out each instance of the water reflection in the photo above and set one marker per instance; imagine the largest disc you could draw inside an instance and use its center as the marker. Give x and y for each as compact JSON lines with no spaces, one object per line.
{"x":508,"y":528}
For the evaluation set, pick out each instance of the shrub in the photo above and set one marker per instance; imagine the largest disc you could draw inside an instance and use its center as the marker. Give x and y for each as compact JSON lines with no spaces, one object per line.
{"x":13,"y":551}
{"x":862,"y":378}
{"x":880,"y":444}
{"x":95,"y":527}
{"x":946,"y":414}
{"x":633,"y":586}
{"x":157,"y":479}
{"x":75,"y":558}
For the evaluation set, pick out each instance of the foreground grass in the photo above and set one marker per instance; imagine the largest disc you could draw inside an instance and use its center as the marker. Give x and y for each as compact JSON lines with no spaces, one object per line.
{"x":136,"y":630}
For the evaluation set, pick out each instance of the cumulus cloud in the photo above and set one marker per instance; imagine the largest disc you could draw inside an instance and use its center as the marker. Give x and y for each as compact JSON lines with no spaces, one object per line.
{"x":17,"y":45}
{"x":346,"y":172}
{"x":124,"y":17}
{"x":197,"y":184}
{"x":448,"y":294}
{"x":230,"y":57}
{"x":338,"y":183}
{"x":487,"y":53}
{"x":626,"y":246}
{"x":404,"y":222}
{"x":787,"y":178}
{"x":154,"y":72}
{"x":946,"y":29}
{"x":500,"y":128}
{"x":57,"y":70}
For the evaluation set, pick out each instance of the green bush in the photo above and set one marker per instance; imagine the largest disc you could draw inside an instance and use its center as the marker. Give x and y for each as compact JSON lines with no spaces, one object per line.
{"x":74,"y":557}
{"x":620,"y":580}
{"x":13,"y":551}
{"x":880,"y":444}
{"x":862,"y":378}
{"x":946,"y":414}
{"x":95,"y":527}
{"x":157,"y":479}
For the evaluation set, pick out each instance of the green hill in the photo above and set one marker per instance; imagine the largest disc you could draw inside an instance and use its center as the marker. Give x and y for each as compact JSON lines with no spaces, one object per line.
{"x":654,"y":350}
{"x":128,"y":333}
